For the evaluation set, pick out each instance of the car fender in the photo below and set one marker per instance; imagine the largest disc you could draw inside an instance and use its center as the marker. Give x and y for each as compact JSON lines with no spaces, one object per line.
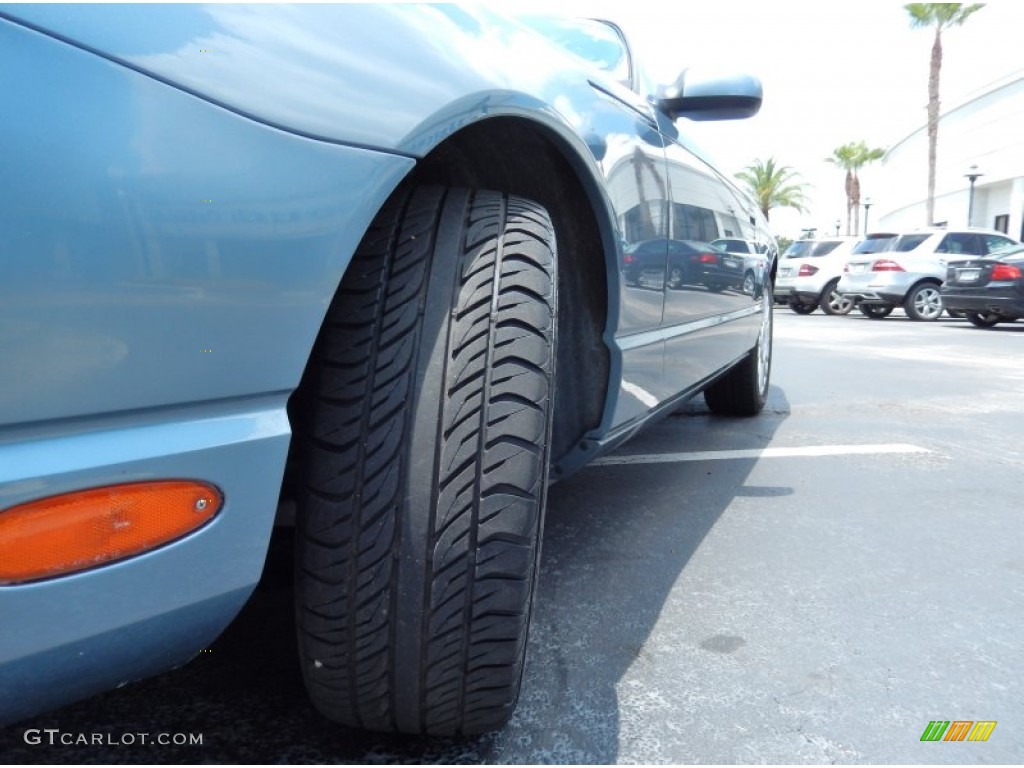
{"x":288,"y":66}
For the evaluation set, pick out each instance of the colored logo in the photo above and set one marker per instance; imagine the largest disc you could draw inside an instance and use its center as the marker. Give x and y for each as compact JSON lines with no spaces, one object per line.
{"x":958,"y":730}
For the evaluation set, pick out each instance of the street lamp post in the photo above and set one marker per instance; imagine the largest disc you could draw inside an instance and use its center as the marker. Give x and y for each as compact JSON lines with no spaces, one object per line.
{"x":867,"y":210}
{"x":972,"y":175}
{"x":838,"y":223}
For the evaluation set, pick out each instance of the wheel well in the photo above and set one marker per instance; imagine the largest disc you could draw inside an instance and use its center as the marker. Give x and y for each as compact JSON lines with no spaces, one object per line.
{"x":923,"y":281}
{"x":517,"y":156}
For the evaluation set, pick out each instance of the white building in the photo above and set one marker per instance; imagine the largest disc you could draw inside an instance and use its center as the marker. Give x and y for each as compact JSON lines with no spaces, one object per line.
{"x":987,"y":131}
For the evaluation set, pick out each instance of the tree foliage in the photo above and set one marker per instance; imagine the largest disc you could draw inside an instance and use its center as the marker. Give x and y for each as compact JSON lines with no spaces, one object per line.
{"x":938,"y":16}
{"x":851,"y":157}
{"x":774,"y":186}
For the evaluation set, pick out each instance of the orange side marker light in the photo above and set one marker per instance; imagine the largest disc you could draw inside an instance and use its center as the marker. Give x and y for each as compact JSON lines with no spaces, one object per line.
{"x":84,"y":529}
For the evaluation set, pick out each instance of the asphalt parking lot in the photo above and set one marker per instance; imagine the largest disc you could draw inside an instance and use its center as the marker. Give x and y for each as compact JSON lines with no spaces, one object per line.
{"x":811,"y":586}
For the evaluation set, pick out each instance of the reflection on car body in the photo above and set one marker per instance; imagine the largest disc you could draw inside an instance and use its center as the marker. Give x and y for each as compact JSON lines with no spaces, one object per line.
{"x":689,"y":264}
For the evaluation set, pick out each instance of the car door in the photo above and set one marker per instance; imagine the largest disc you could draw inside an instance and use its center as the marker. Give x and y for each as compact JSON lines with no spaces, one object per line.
{"x":710,"y":319}
{"x":631,"y":156}
{"x":634,"y":173}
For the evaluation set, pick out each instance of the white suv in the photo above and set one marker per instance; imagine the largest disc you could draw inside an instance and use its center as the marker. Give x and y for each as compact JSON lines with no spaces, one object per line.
{"x":912,"y":268}
{"x":809,"y":271}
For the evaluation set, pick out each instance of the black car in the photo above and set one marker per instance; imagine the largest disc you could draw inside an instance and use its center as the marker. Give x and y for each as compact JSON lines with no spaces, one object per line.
{"x":689,"y":263}
{"x":987,"y":290}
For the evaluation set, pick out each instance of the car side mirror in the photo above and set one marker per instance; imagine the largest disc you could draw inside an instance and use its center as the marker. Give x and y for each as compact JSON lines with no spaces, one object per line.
{"x":705,"y":96}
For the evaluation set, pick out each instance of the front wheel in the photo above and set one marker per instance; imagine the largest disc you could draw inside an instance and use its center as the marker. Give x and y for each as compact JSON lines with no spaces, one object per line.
{"x":749,"y":283}
{"x":743,"y":391}
{"x":875,"y":311}
{"x":983,"y":320}
{"x":924,"y":303}
{"x":834,"y":303}
{"x":676,"y":277}
{"x":424,"y":464}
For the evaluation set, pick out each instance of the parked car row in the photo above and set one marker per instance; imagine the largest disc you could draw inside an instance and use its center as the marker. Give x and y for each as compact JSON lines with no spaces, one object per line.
{"x":810,"y":271}
{"x":924,"y":272}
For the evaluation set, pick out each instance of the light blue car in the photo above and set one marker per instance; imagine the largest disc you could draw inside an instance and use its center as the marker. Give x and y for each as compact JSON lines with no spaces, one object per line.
{"x":363,"y":262}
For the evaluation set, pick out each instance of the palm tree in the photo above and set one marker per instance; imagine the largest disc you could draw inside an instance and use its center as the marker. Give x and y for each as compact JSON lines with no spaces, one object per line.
{"x":773,"y":186}
{"x":851,"y":157}
{"x":939,"y":16}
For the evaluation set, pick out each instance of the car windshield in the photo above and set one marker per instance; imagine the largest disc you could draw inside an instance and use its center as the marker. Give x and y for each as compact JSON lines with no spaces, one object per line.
{"x":874,"y":244}
{"x":593,"y":41}
{"x":905,"y":243}
{"x":798,"y":249}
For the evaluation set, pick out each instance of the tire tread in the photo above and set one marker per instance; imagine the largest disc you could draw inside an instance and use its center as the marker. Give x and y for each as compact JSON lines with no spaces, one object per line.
{"x":488,"y":476}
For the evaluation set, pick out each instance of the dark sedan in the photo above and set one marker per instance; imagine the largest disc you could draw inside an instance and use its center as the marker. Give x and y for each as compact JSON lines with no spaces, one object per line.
{"x":708,"y":265}
{"x":690,"y":262}
{"x":987,"y":290}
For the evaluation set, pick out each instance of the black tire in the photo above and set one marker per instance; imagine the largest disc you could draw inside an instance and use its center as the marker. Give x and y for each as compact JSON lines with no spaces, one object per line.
{"x":983,"y":320}
{"x":425,"y":465}
{"x":676,"y":277}
{"x":743,"y":391}
{"x":923,"y":303}
{"x":875,"y":311}
{"x":800,"y":308}
{"x":832,"y":302}
{"x":749,"y":283}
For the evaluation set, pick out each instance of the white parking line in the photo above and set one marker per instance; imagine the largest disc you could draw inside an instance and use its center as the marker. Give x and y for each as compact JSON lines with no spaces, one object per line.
{"x":762,"y":453}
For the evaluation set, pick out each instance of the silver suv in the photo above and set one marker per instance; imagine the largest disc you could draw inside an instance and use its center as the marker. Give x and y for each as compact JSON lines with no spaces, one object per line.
{"x":809,"y":272}
{"x":910,"y":271}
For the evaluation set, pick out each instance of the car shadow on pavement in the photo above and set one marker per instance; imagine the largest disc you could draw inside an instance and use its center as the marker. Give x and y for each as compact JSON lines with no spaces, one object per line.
{"x":1001,"y":328}
{"x":617,"y":541}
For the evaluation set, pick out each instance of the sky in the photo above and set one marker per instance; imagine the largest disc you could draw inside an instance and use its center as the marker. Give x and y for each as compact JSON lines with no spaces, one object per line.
{"x":832,"y":73}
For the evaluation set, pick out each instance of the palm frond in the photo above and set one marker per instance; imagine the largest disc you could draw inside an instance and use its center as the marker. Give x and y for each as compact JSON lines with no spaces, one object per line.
{"x":774,"y":186}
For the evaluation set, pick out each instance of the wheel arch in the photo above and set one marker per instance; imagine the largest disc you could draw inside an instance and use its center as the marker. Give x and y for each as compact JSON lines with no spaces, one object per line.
{"x":927,"y":280}
{"x":823,"y":293}
{"x":522,"y":157}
